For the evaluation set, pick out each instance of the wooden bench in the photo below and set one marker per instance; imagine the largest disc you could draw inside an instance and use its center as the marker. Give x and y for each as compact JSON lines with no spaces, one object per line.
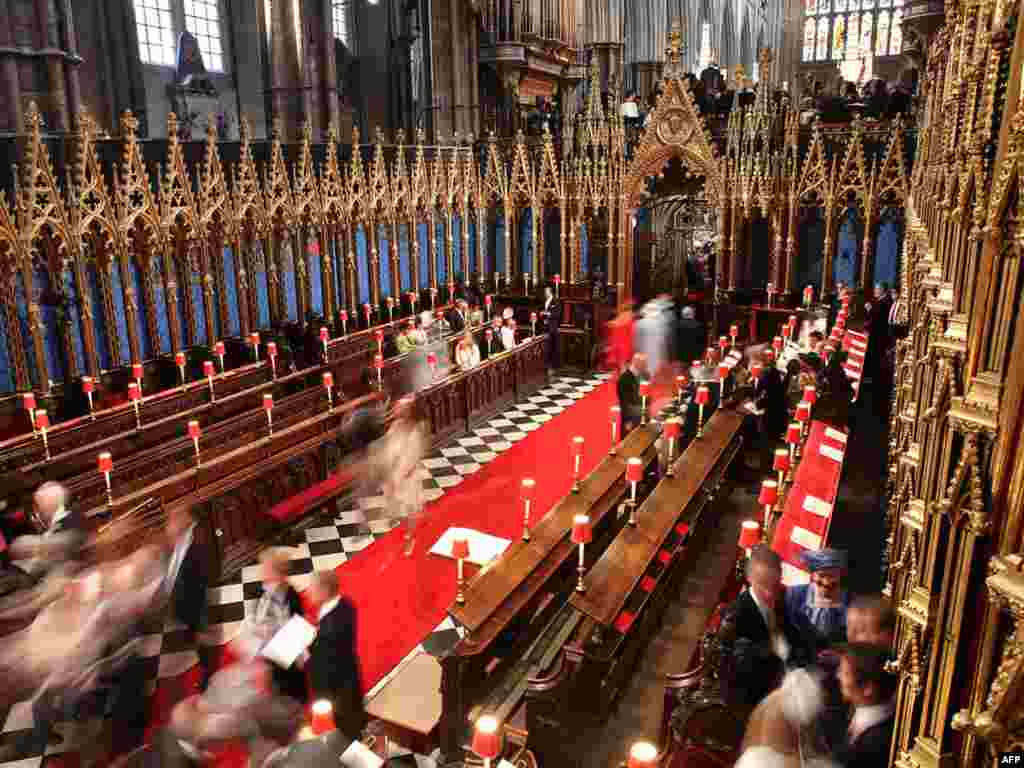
{"x":510,"y":604}
{"x":627,"y":591}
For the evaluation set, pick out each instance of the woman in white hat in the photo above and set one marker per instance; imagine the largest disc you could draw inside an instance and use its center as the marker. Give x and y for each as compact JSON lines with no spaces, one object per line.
{"x":508,"y":329}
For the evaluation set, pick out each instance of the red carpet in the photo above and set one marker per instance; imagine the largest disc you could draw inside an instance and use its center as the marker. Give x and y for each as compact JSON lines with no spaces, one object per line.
{"x":400,"y":599}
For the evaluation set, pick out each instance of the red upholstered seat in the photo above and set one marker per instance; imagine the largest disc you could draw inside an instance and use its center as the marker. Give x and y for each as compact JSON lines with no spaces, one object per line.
{"x":295,"y":506}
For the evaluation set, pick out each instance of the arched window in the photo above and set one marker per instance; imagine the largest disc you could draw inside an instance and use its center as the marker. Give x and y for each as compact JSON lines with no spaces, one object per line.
{"x":832,"y":28}
{"x":159,"y":22}
{"x":342,"y":28}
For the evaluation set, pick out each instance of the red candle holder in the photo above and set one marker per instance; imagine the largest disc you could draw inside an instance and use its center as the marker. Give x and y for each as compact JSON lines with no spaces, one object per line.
{"x":88,"y":386}
{"x":28,"y":400}
{"x":208,"y":373}
{"x":343,"y":316}
{"x":768,"y":497}
{"x":781,"y":464}
{"x":526,"y":492}
{"x":673,"y":430}
{"x":645,"y":392}
{"x":642,"y":755}
{"x":105,"y":464}
{"x":272,"y":354}
{"x":194,"y":432}
{"x":750,"y":535}
{"x":43,"y":422}
{"x":328,"y":379}
{"x":487,"y":739}
{"x":135,"y":395}
{"x":254,"y":340}
{"x":179,"y":360}
{"x":634,"y":474}
{"x":576,"y":447}
{"x":582,"y":534}
{"x":268,"y":406}
{"x":218,"y":350}
{"x":460,"y":551}
{"x":322,"y":720}
{"x":615,"y":413}
{"x":703,"y":398}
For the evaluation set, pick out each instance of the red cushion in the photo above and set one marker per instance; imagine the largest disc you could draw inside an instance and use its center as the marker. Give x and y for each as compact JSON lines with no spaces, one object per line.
{"x":625,"y":621}
{"x":294,"y":506}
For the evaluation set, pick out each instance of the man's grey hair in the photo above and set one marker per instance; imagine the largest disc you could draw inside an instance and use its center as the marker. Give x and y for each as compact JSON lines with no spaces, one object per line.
{"x":51,"y":496}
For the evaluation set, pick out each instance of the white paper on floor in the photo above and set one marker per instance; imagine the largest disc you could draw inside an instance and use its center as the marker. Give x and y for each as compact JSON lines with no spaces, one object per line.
{"x":482,"y":546}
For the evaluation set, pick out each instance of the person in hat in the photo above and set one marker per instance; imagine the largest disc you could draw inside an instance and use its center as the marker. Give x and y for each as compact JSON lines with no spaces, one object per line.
{"x":818,"y":609}
{"x":869,"y":689}
{"x":551,"y":314}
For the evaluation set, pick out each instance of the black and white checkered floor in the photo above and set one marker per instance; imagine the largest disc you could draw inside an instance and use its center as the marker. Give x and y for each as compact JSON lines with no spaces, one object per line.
{"x":357,"y":524}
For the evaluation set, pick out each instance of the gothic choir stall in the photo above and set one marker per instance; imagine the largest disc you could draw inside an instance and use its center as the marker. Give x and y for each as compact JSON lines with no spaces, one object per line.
{"x":559,"y":383}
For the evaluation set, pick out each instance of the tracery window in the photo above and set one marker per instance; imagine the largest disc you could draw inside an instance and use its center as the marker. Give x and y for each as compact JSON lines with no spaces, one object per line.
{"x":835,"y":28}
{"x":160,"y":22}
{"x":340,"y":11}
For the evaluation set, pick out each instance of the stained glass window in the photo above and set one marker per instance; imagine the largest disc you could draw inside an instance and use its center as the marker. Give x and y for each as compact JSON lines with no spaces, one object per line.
{"x":833,"y":29}
{"x":822,"y":46}
{"x":809,"y":29}
{"x":839,"y":37}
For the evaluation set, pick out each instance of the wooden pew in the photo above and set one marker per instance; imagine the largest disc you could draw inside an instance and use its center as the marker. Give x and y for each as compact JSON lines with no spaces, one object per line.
{"x":180,"y":401}
{"x":627,"y":591}
{"x":511,"y":602}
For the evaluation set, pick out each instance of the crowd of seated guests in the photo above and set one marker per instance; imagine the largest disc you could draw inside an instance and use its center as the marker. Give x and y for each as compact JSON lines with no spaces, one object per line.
{"x":810,"y":663}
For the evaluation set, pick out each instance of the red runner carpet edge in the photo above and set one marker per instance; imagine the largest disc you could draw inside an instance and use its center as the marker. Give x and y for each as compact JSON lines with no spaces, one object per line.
{"x":399,"y":599}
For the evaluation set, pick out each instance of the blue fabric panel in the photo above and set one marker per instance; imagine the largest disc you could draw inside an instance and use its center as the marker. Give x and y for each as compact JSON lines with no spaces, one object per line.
{"x":197,"y":303}
{"x":262,"y":299}
{"x":498,"y":255}
{"x":845,"y":265}
{"x":423,"y":235}
{"x":362,"y":267}
{"x":811,"y":261}
{"x":442,"y":256}
{"x":584,"y":250}
{"x":471,"y":255}
{"x":51,"y":334}
{"x":288,"y":285}
{"x":231,"y":286}
{"x":145,"y":343}
{"x":337,"y":273}
{"x":457,"y":266}
{"x":117,"y":291}
{"x":887,"y":252}
{"x":75,"y":320}
{"x":99,"y":318}
{"x":526,"y":242}
{"x":384,"y":261}
{"x":404,"y":258}
{"x":163,"y":328}
{"x":21,"y":300}
{"x":6,"y":369}
{"x":316,"y":278}
{"x":552,"y":256}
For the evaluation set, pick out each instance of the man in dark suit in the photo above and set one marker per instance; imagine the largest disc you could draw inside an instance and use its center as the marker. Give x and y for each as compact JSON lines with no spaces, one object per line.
{"x":691,"y":336}
{"x":771,"y":397}
{"x":457,"y":317}
{"x":332,"y":663}
{"x":187,"y":581}
{"x":552,"y":315}
{"x":629,"y":393}
{"x":868,"y":689}
{"x":766,"y":642}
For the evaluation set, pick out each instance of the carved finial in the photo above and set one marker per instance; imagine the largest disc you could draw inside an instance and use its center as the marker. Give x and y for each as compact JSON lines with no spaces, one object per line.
{"x":129,"y":124}
{"x":33,"y":119}
{"x":520,"y":137}
{"x":307,"y":131}
{"x":244,"y":129}
{"x":764,"y":56}
{"x":421,"y":136}
{"x":400,"y":136}
{"x":276,"y":129}
{"x":456,"y":138}
{"x":332,"y":134}
{"x":676,"y":47}
{"x":355,"y":136}
{"x":379,"y":136}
